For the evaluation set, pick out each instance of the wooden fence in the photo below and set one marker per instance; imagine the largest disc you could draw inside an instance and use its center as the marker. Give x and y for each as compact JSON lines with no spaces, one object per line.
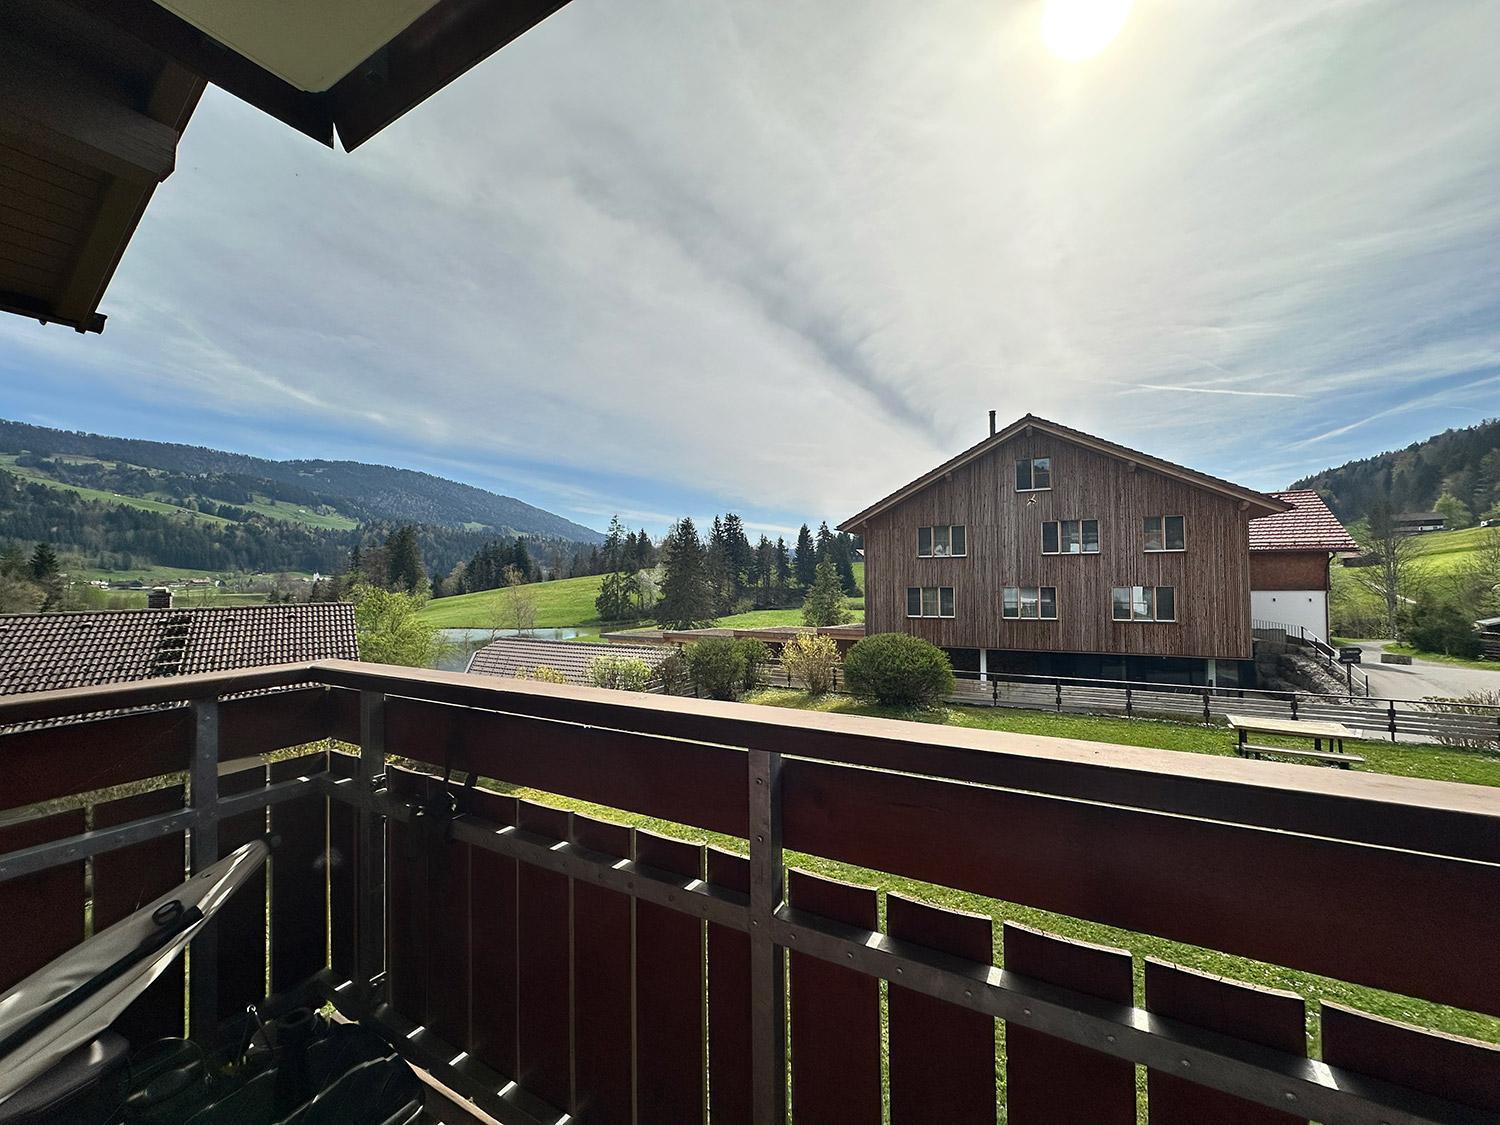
{"x":543,"y":962}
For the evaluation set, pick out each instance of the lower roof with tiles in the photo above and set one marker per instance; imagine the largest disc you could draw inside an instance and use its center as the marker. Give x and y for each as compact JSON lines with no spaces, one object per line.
{"x":48,"y":651}
{"x":520,"y":656}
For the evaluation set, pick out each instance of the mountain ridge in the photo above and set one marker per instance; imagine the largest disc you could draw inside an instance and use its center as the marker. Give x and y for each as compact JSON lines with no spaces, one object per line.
{"x":369,"y":492}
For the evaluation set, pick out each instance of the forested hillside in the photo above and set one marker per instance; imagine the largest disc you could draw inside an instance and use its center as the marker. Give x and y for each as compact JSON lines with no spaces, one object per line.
{"x":360,"y":492}
{"x":1456,"y":472}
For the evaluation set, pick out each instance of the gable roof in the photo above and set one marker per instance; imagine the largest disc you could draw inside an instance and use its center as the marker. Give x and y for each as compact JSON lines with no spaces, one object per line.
{"x":1256,"y":500}
{"x":510,"y":655}
{"x":1308,"y":526}
{"x":47,"y":651}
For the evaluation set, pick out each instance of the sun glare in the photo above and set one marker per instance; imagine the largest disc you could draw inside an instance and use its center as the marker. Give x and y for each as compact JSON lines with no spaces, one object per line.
{"x":1075,"y":30}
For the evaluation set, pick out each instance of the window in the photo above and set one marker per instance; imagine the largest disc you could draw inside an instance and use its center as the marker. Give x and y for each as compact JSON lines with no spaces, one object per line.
{"x":1166,"y":533}
{"x":1033,"y":474}
{"x":929,"y":601}
{"x":1144,"y":603}
{"x":943,"y":541}
{"x":1070,"y":537}
{"x":1029,"y":602}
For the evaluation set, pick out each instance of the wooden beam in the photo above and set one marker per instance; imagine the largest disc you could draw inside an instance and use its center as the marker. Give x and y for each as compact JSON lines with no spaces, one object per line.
{"x":48,"y":101}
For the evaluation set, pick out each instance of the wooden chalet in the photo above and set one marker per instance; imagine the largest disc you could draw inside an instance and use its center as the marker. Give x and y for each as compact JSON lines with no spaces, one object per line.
{"x":1291,"y":554}
{"x":1046,"y":550}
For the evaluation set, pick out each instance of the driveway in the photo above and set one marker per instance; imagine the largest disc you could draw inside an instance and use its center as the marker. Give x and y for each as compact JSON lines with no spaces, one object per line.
{"x":1421,"y":678}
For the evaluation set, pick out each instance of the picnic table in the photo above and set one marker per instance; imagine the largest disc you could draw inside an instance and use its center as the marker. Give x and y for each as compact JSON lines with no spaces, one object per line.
{"x":1319,"y":731}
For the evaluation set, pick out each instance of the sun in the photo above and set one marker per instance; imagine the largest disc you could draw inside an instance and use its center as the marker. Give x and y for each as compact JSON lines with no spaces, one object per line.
{"x":1075,"y":30}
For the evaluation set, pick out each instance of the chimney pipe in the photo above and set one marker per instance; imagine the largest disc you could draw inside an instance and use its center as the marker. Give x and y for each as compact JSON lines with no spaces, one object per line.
{"x":159,"y":598}
{"x":992,"y":423}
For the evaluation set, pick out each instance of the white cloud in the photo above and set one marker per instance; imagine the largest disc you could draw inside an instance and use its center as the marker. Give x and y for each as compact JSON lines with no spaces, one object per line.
{"x":789,"y":255}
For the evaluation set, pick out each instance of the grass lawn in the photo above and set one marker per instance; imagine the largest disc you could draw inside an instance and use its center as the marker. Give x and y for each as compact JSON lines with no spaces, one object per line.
{"x":1415,"y":761}
{"x":1443,"y":552}
{"x":7,"y":464}
{"x":569,"y":603}
{"x":559,"y":604}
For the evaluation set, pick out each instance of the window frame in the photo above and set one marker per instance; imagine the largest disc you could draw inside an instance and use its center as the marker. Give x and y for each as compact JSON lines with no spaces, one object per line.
{"x":1030,"y":463}
{"x":1164,"y":549}
{"x":1019,"y":603}
{"x":937,"y":603}
{"x":950,"y":553}
{"x":1150,"y":596}
{"x":1062,"y":536}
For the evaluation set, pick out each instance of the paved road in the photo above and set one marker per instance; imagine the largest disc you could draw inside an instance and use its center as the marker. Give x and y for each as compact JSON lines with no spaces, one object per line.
{"x":1422,"y":677}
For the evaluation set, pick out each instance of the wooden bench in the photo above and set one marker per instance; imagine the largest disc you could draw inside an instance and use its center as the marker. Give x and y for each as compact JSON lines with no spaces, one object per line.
{"x":1253,"y":750}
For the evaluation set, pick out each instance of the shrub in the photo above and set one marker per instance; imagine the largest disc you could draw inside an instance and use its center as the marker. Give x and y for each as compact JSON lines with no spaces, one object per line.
{"x":1442,"y":627}
{"x":1475,"y":734}
{"x":813,"y":659}
{"x":623,"y":673}
{"x":542,"y":673}
{"x":717,"y":667}
{"x":675,"y":675}
{"x":826,"y":604}
{"x":755,"y":654}
{"x":898,"y":670}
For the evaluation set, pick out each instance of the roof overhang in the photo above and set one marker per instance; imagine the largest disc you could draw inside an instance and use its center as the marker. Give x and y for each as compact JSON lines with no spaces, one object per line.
{"x":95,"y":95}
{"x":1256,"y":503}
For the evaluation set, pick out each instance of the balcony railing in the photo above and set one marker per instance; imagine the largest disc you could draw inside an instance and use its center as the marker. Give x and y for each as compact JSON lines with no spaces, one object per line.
{"x":542,"y":962}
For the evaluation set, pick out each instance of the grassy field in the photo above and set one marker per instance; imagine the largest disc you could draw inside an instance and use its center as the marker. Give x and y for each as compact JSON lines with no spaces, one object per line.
{"x":1430,"y":762}
{"x":569,"y":603}
{"x":1443,"y":552}
{"x":274,"y":509}
{"x":1443,"y":658}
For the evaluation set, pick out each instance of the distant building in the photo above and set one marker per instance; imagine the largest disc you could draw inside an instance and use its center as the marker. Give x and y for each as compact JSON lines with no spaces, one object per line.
{"x":1416,"y":523}
{"x":1290,"y":555}
{"x":48,"y":651}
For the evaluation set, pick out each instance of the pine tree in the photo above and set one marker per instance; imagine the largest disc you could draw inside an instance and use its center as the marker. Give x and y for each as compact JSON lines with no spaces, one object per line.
{"x":843,"y":559}
{"x":43,"y":563}
{"x":825,"y":541}
{"x":783,"y":564}
{"x":521,"y":560}
{"x":825,"y":601}
{"x":807,"y":559}
{"x":404,"y":570}
{"x":687,"y":595}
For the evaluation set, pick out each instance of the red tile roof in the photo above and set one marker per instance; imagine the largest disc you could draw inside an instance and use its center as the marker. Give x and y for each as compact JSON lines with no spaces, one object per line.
{"x":1309,"y":526}
{"x":508,"y":656}
{"x":47,"y":651}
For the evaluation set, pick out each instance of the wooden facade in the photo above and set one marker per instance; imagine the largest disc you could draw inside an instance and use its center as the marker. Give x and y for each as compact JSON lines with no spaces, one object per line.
{"x":1289,"y":570}
{"x":1211,"y":576}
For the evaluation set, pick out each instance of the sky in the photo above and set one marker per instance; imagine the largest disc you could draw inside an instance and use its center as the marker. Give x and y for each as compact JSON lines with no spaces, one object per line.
{"x":708,"y":255}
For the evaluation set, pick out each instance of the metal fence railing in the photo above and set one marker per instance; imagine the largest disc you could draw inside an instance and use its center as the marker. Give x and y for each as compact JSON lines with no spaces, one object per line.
{"x":1451,"y":722}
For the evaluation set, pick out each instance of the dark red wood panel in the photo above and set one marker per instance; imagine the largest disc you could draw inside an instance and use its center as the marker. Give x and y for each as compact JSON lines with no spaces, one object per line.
{"x":677,"y":781}
{"x":1049,"y":1079}
{"x":1350,"y":911}
{"x":448,"y":934}
{"x":492,"y":929}
{"x":729,"y":1089}
{"x":407,"y":902}
{"x":260,"y":724}
{"x":57,"y":761}
{"x":242,"y":918}
{"x":343,"y":715}
{"x":1446,"y":1066}
{"x":602,"y":966}
{"x":125,"y":880}
{"x":1258,"y":1015}
{"x":43,"y":913}
{"x":942,"y":1057}
{"x":669,"y":992}
{"x":835,"y":1015}
{"x":544,"y":1000}
{"x":299,"y":901}
{"x":343,"y":871}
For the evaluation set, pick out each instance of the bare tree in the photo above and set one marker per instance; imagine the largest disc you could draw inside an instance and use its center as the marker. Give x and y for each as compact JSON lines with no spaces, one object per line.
{"x":518,"y":600}
{"x":1393,"y":575}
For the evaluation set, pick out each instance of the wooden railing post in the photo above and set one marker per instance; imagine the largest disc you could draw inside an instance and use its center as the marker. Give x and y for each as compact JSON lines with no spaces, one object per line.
{"x":203,"y":986}
{"x":767,"y":959}
{"x":369,"y":916}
